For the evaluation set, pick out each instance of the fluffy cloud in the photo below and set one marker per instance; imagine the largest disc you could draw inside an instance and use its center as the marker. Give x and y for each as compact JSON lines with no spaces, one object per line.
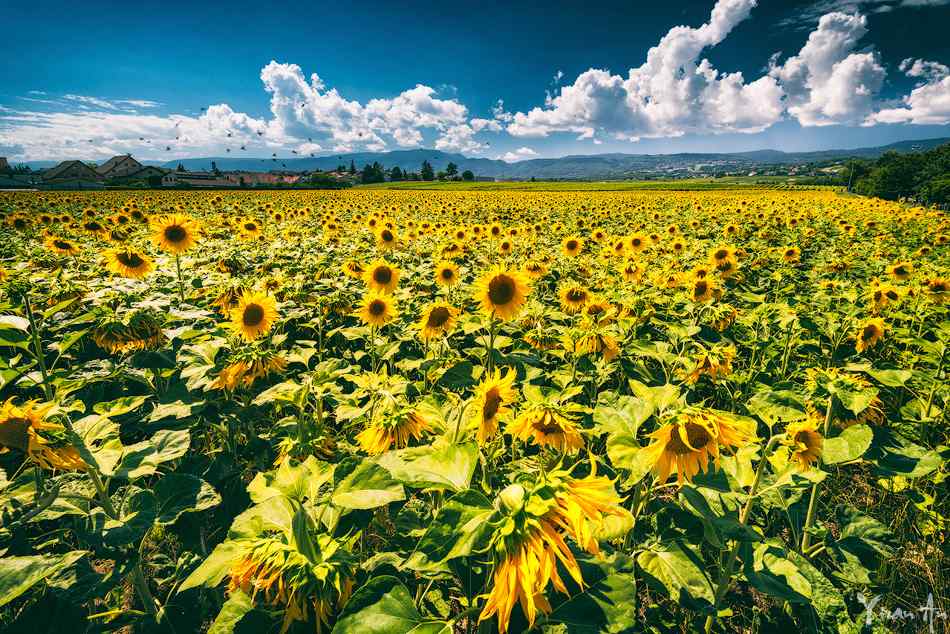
{"x":826,"y":83}
{"x":927,"y":103}
{"x":520,"y":154}
{"x":673,"y":93}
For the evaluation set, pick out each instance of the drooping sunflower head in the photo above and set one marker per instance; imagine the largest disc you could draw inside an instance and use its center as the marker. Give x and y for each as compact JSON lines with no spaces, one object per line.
{"x":900,"y":271}
{"x":938,"y":289}
{"x":548,"y":424}
{"x":353,"y":268}
{"x":377,"y":309}
{"x":381,"y":276}
{"x":446,"y":273}
{"x":804,"y":441}
{"x":175,"y":233}
{"x":702,"y":290}
{"x":501,"y":293}
{"x":25,"y":428}
{"x":534,"y":269}
{"x":438,"y":319}
{"x":868,"y":334}
{"x":254,"y":315}
{"x":386,"y":239}
{"x":490,"y":403}
{"x":394,"y":427}
{"x":244,"y":366}
{"x":61,"y":246}
{"x":129,"y":262}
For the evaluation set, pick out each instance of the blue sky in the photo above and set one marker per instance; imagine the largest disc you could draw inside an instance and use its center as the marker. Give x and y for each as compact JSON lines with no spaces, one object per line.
{"x":176,"y":80}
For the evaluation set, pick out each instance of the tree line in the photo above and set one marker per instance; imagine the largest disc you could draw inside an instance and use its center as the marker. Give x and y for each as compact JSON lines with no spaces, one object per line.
{"x":377,"y":173}
{"x":920,"y":176}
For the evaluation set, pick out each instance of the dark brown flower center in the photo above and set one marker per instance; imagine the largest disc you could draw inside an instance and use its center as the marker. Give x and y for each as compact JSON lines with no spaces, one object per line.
{"x":492,"y":404}
{"x":175,"y":233}
{"x":721,"y":254}
{"x":501,"y":290}
{"x":387,"y":235}
{"x":571,"y":245}
{"x":13,"y":433}
{"x":697,"y":435}
{"x":382,"y":275}
{"x":576,"y":295}
{"x":447,"y":274}
{"x":377,"y":307}
{"x":438,"y":316}
{"x":253,"y":315}
{"x":62,"y":244}
{"x":131,"y":260}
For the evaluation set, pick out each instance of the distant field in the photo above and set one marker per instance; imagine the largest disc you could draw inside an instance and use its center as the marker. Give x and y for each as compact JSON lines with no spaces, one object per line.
{"x":740,"y":182}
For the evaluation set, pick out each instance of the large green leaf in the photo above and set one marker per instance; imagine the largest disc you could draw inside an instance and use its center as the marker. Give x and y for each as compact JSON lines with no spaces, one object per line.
{"x":461,"y":527}
{"x":442,"y":465}
{"x":849,"y":445}
{"x":367,"y":486}
{"x":770,"y":571}
{"x":14,"y":332}
{"x":774,"y":406}
{"x":215,"y":567}
{"x":894,"y":455}
{"x":675,"y":568}
{"x":383,"y":606}
{"x":180,"y":493}
{"x":606,"y":606}
{"x":623,"y":414}
{"x":19,"y":574}
{"x":120,"y":406}
{"x":142,"y":458}
{"x":233,"y":610}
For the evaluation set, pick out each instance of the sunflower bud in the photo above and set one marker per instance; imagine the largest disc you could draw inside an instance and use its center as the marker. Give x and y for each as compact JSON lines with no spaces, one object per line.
{"x":512,"y":498}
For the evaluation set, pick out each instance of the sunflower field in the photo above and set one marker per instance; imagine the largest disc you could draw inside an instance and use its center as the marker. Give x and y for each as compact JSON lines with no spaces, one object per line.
{"x":437,"y":412}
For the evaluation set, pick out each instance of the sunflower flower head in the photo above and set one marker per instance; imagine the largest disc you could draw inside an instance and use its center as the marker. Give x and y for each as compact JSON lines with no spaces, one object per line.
{"x":804,"y":441}
{"x":491,"y":403}
{"x":394,"y":426}
{"x":174,"y":233}
{"x":254,"y":315}
{"x":501,"y":293}
{"x":437,"y":319}
{"x":549,"y":420}
{"x":26,"y":428}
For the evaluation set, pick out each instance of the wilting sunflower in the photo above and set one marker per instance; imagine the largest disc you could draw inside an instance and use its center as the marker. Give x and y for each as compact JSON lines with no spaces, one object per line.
{"x":868,"y":334}
{"x":175,"y":233}
{"x":61,"y":246}
{"x":393,"y":427}
{"x":716,"y":362}
{"x":490,"y":403}
{"x":254,"y":315}
{"x":381,"y":276}
{"x":534,"y":269}
{"x":804,"y":441}
{"x":353,"y":269}
{"x":684,"y":445}
{"x":128,"y":262}
{"x":572,"y":246}
{"x":501,"y":293}
{"x":546,"y":424}
{"x":574,"y":298}
{"x":25,"y":428}
{"x":377,"y":309}
{"x":446,"y":274}
{"x":939,"y":289}
{"x":721,"y":255}
{"x":247,"y":366}
{"x":438,"y":319}
{"x":314,"y":578}
{"x":702,"y":290}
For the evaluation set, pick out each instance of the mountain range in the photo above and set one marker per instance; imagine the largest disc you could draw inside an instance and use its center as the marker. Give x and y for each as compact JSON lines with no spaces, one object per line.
{"x":574,"y":167}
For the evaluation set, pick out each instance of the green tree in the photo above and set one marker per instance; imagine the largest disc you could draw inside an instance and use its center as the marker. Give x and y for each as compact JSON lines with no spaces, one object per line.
{"x":427,"y":172}
{"x":395,"y":174}
{"x":451,"y":169}
{"x":467,"y":175}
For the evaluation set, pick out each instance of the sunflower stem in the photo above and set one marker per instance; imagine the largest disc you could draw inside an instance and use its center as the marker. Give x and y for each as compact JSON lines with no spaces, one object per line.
{"x":492,"y":330}
{"x":37,"y":346}
{"x":924,"y":427}
{"x":729,"y":569}
{"x":812,"y":501}
{"x":181,"y":285}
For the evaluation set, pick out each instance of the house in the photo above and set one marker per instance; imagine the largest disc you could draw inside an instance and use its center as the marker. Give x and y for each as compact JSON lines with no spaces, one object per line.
{"x":4,"y":166}
{"x":70,"y":170}
{"x":145,"y":173}
{"x":195,"y":179}
{"x":118,"y":167}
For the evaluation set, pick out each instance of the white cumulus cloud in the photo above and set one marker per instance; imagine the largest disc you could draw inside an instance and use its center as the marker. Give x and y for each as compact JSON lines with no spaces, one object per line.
{"x":520,"y":154}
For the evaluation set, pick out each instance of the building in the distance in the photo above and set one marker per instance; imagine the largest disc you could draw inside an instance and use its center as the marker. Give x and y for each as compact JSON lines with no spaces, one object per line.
{"x":70,"y":175}
{"x":195,"y":179}
{"x":118,"y":167}
{"x":4,"y":166}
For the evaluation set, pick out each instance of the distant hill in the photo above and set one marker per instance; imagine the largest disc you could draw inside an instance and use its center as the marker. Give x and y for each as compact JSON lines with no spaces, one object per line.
{"x":574,"y":167}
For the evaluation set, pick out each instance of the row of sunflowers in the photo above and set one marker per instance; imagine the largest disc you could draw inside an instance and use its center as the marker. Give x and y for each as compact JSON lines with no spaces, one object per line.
{"x":493,"y":411}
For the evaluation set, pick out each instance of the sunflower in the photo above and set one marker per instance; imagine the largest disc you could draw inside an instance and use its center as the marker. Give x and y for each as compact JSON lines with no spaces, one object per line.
{"x":868,"y":334}
{"x":438,"y":319}
{"x":505,"y":247}
{"x":715,"y":363}
{"x":572,"y":246}
{"x":685,"y":445}
{"x":61,"y":246}
{"x":721,"y":255}
{"x":632,"y":271}
{"x":381,"y":277}
{"x":637,"y":242}
{"x":804,"y":441}
{"x":545,"y":425}
{"x":702,"y":290}
{"x":939,"y":289}
{"x":353,"y":269}
{"x":175,"y":233}
{"x":446,"y":274}
{"x":250,"y":229}
{"x":501,"y":293}
{"x":534,"y":269}
{"x":574,"y":298}
{"x":254,"y":315}
{"x":900,"y":271}
{"x":128,"y":262}
{"x":378,"y":309}
{"x":490,"y":403}
{"x":883,"y":294}
{"x":791,"y":254}
{"x":395,"y":427}
{"x":249,"y":366}
{"x":386,"y":239}
{"x":26,"y":428}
